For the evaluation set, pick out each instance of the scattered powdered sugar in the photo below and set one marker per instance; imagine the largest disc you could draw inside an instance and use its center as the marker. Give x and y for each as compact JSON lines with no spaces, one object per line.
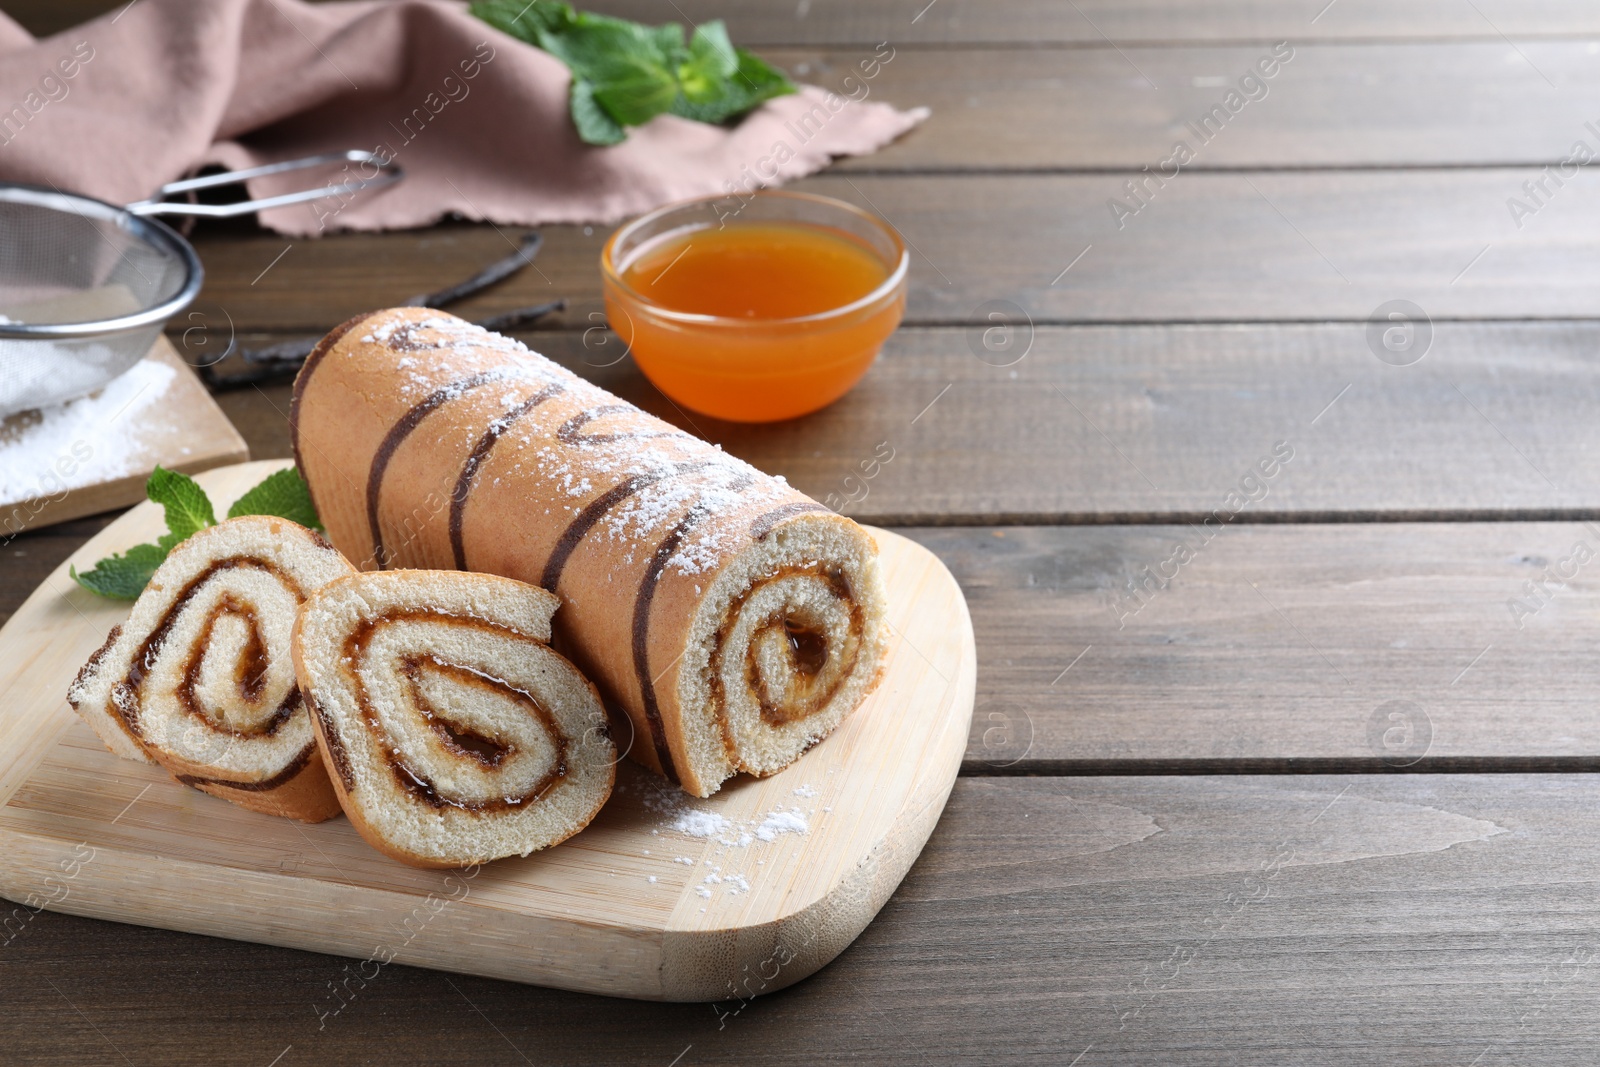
{"x":729,"y":841}
{"x":733,"y":884}
{"x":783,"y":822}
{"x":698,"y":823}
{"x":439,"y":349}
{"x":80,"y":442}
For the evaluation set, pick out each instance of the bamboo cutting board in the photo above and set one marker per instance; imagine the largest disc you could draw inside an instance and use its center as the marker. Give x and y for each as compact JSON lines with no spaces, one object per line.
{"x":663,"y":897}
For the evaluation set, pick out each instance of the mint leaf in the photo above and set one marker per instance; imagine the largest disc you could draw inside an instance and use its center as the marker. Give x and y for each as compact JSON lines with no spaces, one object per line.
{"x":711,"y":62}
{"x":284,"y":494}
{"x":625,"y":74}
{"x":753,"y":83}
{"x":187,"y":507}
{"x":122,"y":577}
{"x":594,"y":125}
{"x":187,"y":510}
{"x":669,"y":39}
{"x":523,"y":20}
{"x":632,"y":76}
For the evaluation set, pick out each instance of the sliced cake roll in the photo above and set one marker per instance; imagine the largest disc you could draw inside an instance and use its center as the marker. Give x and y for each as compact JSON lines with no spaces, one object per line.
{"x":736,"y":621}
{"x":453,"y":733}
{"x":200,"y":680}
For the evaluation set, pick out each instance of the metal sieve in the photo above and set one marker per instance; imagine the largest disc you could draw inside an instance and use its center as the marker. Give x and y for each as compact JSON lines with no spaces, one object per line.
{"x":86,"y":286}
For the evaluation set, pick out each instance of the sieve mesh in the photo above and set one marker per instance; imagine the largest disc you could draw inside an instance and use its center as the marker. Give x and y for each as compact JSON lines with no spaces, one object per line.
{"x":90,"y":274}
{"x":51,"y":255}
{"x":85,"y":286}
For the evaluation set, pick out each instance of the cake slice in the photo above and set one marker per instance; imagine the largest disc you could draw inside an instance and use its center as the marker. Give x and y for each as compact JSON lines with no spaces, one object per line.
{"x":200,"y":680}
{"x":453,"y":734}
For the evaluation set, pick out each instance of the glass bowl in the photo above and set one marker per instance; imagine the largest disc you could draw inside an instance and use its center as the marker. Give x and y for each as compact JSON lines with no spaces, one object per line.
{"x":747,"y":369}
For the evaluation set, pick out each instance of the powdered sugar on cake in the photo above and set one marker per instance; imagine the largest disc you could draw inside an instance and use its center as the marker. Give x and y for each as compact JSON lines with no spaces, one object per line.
{"x":437,"y":350}
{"x":673,"y":484}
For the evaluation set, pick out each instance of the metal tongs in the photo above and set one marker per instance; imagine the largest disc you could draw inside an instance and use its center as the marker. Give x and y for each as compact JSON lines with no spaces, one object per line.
{"x":283,"y":359}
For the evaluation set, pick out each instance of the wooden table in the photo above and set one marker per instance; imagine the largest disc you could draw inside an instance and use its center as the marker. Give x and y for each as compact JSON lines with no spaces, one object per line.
{"x":1314,"y":787}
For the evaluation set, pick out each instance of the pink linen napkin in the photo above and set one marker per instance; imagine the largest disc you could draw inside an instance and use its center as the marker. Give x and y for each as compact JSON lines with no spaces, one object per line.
{"x":478,"y":120}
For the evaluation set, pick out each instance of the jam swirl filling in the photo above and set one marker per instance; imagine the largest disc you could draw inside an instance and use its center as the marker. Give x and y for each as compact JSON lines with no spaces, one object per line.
{"x":491,"y":752}
{"x":795,"y":662}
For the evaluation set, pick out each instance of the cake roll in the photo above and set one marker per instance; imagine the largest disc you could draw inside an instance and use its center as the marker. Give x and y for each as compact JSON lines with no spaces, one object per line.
{"x":454,"y":734}
{"x":732,"y":619}
{"x":200,"y":679}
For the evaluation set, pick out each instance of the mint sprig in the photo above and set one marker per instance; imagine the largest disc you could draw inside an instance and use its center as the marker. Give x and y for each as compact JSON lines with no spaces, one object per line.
{"x":122,"y":577}
{"x":188,"y":510}
{"x":284,"y":494}
{"x":625,"y":73}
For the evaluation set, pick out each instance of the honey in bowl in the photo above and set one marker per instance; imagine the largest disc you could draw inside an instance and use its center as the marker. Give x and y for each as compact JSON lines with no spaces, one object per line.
{"x":769,"y":315}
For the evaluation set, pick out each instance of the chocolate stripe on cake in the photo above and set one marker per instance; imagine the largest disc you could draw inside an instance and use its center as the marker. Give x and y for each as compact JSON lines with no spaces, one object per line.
{"x":641,"y":642}
{"x":641,"y":628}
{"x":402,"y":429}
{"x":307,"y":369}
{"x":480,"y":452}
{"x":568,"y":432}
{"x":764,"y":524}
{"x":596,"y":510}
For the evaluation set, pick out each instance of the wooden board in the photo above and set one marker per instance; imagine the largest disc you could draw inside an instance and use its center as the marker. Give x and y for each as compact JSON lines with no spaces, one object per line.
{"x":1354,"y":647}
{"x":186,"y":432}
{"x":1209,"y":247}
{"x":630,"y":907}
{"x":1408,"y":919}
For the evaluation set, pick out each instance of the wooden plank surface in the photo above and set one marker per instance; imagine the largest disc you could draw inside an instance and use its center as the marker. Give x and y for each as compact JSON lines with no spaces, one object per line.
{"x":1345,"y":105}
{"x":1159,"y":424}
{"x":1094,"y":22}
{"x":1208,"y":247}
{"x":1419,"y":919}
{"x":1394,"y":103}
{"x":1351,"y":647}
